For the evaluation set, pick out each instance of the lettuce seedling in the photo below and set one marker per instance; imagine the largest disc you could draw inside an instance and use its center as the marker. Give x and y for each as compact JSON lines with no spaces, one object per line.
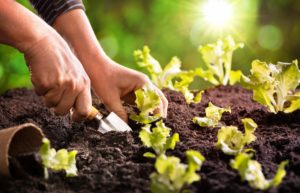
{"x":172,"y":176}
{"x":218,"y":58}
{"x":232,"y":141}
{"x":181,"y":84}
{"x":213,"y":116}
{"x":57,"y":160}
{"x":158,"y":138}
{"x":251,"y":171}
{"x":147,"y":100}
{"x":273,"y":85}
{"x":171,"y":76}
{"x":160,"y":77}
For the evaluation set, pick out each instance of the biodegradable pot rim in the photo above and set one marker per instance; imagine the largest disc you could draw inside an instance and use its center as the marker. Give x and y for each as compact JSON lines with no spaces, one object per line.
{"x":16,"y":140}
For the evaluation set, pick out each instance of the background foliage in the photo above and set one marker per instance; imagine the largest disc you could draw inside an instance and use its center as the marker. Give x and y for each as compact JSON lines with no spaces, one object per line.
{"x":269,"y":29}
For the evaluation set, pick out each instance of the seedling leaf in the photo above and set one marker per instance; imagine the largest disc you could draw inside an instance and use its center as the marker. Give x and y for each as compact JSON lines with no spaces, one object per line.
{"x":232,"y":141}
{"x":251,"y":171}
{"x":218,"y":58}
{"x":273,"y":85}
{"x":235,"y":76}
{"x":213,"y":116}
{"x":147,"y":100}
{"x":171,"y":76}
{"x":149,"y":155}
{"x":171,"y":175}
{"x":58,"y":160}
{"x":158,"y":138}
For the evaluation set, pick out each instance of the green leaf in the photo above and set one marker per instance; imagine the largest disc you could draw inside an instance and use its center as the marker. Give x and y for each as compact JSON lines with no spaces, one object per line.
{"x":207,"y":75}
{"x":213,"y":116}
{"x":160,"y":77}
{"x":251,"y":171}
{"x":144,"y":59}
{"x":235,"y":76}
{"x":218,"y":58}
{"x":172,"y":176}
{"x":171,"y":76}
{"x":273,"y":85}
{"x":145,"y":135}
{"x":171,"y":70}
{"x":232,"y":141}
{"x":171,"y":141}
{"x":280,"y":174}
{"x":195,"y":160}
{"x":250,"y":127}
{"x":203,"y":121}
{"x":295,"y":105}
{"x":147,"y":100}
{"x":158,"y":138}
{"x":149,"y":155}
{"x":60,"y":160}
{"x":182,"y":85}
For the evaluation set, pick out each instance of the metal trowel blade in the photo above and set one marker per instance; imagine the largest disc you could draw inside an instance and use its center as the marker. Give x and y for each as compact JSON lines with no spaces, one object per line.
{"x":112,"y":123}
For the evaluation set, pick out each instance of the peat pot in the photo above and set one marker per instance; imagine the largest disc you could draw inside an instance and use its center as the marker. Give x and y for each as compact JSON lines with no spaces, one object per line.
{"x":16,"y":141}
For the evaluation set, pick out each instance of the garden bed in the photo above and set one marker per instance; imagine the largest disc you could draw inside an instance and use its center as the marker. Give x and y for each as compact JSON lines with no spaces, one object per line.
{"x":114,"y":162}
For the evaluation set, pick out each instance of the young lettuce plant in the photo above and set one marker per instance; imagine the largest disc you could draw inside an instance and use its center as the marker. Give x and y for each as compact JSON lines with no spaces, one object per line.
{"x":57,"y":160}
{"x":218,"y":58}
{"x":273,"y":85}
{"x":213,"y":116}
{"x":147,"y":100}
{"x":172,"y":176}
{"x":158,"y":138}
{"x":232,"y":141}
{"x":171,"y":76}
{"x":251,"y":171}
{"x":160,"y":77}
{"x":181,"y":84}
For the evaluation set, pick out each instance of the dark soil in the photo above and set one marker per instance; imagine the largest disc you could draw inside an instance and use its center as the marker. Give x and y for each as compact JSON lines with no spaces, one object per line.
{"x":24,"y":165}
{"x":113,"y":162}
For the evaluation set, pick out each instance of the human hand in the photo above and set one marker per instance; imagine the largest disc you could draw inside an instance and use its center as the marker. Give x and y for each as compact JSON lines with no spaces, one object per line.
{"x":111,"y":81}
{"x":59,"y":77}
{"x":114,"y":83}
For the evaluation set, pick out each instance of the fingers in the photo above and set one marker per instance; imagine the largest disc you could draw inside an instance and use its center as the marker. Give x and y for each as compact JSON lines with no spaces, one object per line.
{"x":66,"y":103}
{"x":72,"y":95}
{"x":163,"y":109}
{"x":83,"y":105}
{"x":115,"y":105}
{"x":52,"y":97}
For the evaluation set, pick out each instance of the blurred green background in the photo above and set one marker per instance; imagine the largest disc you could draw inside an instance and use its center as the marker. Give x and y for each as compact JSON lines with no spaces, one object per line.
{"x":269,"y":29}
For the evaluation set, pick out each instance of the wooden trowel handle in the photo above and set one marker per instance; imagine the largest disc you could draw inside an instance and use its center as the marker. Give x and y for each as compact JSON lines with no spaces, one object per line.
{"x":92,"y":115}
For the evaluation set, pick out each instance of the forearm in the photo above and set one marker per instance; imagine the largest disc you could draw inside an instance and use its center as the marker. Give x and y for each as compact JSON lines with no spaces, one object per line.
{"x":74,"y":26}
{"x":19,"y":27}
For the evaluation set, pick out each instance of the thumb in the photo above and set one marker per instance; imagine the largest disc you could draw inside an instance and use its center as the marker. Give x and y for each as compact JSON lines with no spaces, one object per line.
{"x":115,"y":105}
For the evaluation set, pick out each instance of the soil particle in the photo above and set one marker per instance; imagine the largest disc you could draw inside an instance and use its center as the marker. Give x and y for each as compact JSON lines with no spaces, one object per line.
{"x":114,"y":162}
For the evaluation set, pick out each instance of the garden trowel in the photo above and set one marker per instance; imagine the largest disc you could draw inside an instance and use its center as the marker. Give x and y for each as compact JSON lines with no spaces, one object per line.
{"x":110,"y":123}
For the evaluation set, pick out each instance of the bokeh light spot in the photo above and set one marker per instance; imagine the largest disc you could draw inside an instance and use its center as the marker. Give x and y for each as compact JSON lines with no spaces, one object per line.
{"x":270,"y":37}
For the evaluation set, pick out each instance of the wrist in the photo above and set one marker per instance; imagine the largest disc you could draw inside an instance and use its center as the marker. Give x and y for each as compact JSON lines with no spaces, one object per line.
{"x":19,"y":27}
{"x":76,"y":29}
